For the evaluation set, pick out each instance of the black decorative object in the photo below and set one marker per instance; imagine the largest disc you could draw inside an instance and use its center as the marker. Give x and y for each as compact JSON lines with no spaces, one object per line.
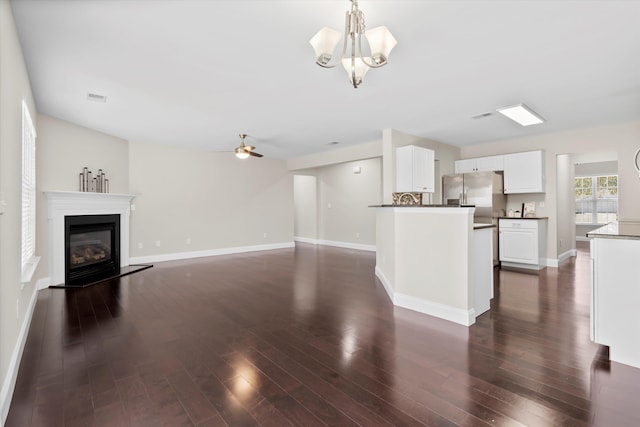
{"x":88,"y":183}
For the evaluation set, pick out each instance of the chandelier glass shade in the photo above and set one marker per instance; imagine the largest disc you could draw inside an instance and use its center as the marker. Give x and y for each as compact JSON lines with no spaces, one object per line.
{"x":380,"y":41}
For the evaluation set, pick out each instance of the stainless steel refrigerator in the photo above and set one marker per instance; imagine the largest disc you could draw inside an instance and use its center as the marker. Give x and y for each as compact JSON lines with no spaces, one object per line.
{"x":485,"y":191}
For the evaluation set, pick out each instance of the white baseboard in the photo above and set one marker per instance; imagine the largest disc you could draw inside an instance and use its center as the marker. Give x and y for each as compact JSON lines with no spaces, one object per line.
{"x":347,"y":245}
{"x":550,"y":262}
{"x":9,"y":385}
{"x":209,"y":252}
{"x":535,"y":267}
{"x":442,"y":311}
{"x":305,"y":240}
{"x":385,"y":283}
{"x":43,"y":283}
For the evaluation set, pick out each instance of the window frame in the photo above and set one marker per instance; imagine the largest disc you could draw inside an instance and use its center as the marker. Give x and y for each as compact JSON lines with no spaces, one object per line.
{"x":28,"y":259}
{"x":593,"y":199}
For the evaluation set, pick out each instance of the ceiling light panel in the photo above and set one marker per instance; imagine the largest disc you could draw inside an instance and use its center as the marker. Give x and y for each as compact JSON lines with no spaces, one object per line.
{"x":521,"y":114}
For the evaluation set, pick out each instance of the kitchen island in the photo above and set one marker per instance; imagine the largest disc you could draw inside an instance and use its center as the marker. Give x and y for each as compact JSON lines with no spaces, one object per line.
{"x":615,"y":290}
{"x":435,"y":260}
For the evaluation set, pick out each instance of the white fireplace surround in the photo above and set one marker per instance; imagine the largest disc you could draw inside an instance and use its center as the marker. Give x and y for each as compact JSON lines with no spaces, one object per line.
{"x":65,"y":203}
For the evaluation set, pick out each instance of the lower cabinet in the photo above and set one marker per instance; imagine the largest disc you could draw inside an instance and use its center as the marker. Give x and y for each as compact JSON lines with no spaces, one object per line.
{"x":615,"y":297}
{"x":523,"y":243}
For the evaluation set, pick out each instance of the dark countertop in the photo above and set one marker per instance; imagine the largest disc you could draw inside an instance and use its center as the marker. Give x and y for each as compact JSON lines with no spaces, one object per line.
{"x":422,"y":206}
{"x":528,"y":217}
{"x":483,"y":226}
{"x":617,"y":230}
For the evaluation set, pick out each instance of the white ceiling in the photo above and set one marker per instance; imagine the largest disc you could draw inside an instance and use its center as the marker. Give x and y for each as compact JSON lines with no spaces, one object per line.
{"x":197,"y":73}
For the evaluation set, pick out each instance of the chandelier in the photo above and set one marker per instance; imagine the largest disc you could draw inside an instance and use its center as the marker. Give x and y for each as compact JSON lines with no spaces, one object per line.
{"x":380,"y":39}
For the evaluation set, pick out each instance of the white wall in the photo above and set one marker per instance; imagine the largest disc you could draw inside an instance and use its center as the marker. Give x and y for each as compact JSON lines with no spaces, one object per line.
{"x":214,"y":199}
{"x":622,"y":138}
{"x":14,"y":88}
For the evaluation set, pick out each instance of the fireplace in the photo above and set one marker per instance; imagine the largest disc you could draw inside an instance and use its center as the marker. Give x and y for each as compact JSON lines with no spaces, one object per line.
{"x":63,"y":204}
{"x":92,"y":248}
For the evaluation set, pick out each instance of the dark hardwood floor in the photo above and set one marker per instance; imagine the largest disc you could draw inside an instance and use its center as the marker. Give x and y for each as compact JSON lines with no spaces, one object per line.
{"x":308,"y":337}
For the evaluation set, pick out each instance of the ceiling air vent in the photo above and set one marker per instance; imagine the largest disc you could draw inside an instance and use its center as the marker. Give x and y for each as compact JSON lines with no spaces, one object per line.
{"x":96,"y":98}
{"x":482,"y":116}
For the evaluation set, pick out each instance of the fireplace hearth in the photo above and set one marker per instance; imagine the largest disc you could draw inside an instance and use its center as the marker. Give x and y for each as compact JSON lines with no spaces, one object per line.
{"x":92,"y":248}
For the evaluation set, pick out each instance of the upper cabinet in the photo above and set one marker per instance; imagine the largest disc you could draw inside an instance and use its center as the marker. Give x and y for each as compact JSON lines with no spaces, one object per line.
{"x":524,"y":172}
{"x":480,"y":164}
{"x":415,"y":169}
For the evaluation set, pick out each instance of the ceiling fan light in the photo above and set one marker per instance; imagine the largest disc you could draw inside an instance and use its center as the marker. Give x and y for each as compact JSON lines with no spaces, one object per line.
{"x":241,"y":154}
{"x":324,"y":43}
{"x":381,"y":42}
{"x":360,"y":69}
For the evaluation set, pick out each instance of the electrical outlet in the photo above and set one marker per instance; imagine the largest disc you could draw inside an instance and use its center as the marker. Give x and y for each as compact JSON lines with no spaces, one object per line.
{"x":157,"y":243}
{"x":357,"y":235}
{"x":265,"y":235}
{"x":328,"y":205}
{"x":140,"y":245}
{"x":133,"y":207}
{"x":541,"y":204}
{"x":561,"y":242}
{"x":188,"y":241}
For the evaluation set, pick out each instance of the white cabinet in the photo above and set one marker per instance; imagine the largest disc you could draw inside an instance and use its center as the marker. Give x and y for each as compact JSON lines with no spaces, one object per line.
{"x":523,"y":243}
{"x":524,"y":172}
{"x":415,"y":169}
{"x":479,"y":164}
{"x":615,"y":297}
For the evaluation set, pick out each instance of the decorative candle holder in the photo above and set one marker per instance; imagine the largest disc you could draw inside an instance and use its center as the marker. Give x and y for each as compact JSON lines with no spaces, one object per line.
{"x":88,"y":183}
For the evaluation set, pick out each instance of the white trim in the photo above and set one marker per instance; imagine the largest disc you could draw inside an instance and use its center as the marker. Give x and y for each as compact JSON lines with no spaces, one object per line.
{"x":536,"y":267}
{"x":446,"y":312}
{"x":43,"y":283}
{"x":9,"y":385}
{"x":209,"y":252}
{"x":348,"y":245}
{"x":305,"y":240}
{"x":582,"y":239}
{"x":567,"y":254}
{"x":30,"y":268}
{"x":64,"y":203}
{"x":385,"y":282}
{"x":555,"y":263}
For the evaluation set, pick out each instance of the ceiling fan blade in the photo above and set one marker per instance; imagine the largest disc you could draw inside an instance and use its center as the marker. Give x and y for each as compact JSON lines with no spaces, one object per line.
{"x":254,"y":154}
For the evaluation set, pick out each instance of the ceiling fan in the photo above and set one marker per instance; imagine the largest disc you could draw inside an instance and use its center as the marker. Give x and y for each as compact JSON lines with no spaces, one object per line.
{"x":243,"y":151}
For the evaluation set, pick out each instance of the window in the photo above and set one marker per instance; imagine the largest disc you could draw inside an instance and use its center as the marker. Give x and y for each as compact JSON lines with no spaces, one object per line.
{"x":29,"y":259}
{"x":596,"y":199}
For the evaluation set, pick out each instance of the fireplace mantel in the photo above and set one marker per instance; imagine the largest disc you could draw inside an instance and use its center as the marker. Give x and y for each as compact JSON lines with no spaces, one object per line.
{"x":64,"y":203}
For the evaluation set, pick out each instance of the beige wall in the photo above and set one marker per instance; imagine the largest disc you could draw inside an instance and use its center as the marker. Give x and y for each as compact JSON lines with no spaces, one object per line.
{"x":566,"y":208}
{"x":337,"y":155}
{"x":63,"y":150}
{"x":214,"y":199}
{"x":349,"y":218}
{"x":305,"y":199}
{"x":14,"y":88}
{"x":622,"y":138}
{"x":445,"y":156}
